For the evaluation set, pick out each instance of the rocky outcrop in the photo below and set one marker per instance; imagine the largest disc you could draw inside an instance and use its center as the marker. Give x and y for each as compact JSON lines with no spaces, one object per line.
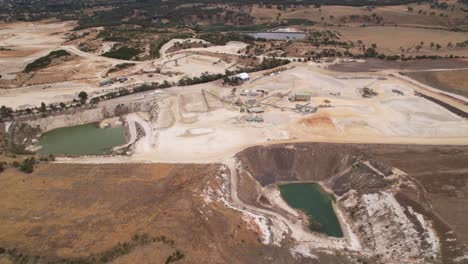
{"x":90,"y":115}
{"x":297,"y":162}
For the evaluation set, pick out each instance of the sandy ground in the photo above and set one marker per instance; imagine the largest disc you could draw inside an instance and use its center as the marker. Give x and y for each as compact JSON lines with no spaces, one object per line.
{"x":197,"y":127}
{"x":231,"y":47}
{"x":200,"y":127}
{"x":28,"y":41}
{"x":33,"y":95}
{"x":61,"y":82}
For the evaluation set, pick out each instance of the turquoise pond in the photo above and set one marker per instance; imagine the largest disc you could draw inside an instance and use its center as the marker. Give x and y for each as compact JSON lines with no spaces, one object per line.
{"x":316,"y":203}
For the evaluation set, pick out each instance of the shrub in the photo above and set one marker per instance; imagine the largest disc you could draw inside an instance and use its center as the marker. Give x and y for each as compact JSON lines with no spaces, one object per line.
{"x":46,"y":60}
{"x":122,"y":53}
{"x":28,"y":165}
{"x":83,"y":96}
{"x":157,"y":45}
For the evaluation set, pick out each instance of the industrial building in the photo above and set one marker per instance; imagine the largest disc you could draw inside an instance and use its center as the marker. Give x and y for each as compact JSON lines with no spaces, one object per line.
{"x":256,"y":110}
{"x":243,"y":76}
{"x":300,"y":97}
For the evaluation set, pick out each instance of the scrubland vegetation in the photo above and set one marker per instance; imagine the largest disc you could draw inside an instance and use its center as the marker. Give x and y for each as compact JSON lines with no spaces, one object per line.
{"x":122,"y":53}
{"x":46,"y":60}
{"x":107,"y":256}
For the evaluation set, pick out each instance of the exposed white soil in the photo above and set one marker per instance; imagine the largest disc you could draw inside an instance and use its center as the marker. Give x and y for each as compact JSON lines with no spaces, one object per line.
{"x":387,"y":230}
{"x":385,"y":118}
{"x":199,"y":131}
{"x":232,"y":47}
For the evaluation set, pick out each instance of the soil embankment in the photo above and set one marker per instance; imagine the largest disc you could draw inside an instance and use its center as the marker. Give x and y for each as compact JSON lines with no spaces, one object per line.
{"x":371,"y":65}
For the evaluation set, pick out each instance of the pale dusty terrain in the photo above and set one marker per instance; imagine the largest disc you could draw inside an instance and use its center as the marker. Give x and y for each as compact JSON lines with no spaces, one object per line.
{"x":85,"y":70}
{"x":28,"y":41}
{"x":196,"y":126}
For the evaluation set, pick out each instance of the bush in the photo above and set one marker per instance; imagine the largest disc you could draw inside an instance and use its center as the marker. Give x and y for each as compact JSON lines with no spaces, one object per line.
{"x":157,"y":45}
{"x":176,"y":256}
{"x":83,"y":96}
{"x":6,"y":112}
{"x":46,"y":60}
{"x":222,"y":39}
{"x":123,"y":53}
{"x":28,"y":165}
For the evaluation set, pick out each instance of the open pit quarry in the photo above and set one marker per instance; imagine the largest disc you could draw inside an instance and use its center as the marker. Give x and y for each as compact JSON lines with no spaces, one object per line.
{"x":390,"y":151}
{"x":384,"y":212}
{"x":216,"y":120}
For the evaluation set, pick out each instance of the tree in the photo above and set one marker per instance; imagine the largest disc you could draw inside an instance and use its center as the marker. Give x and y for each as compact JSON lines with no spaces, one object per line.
{"x":370,"y":52}
{"x":43,"y":107}
{"x":438,"y":46}
{"x":83,"y":96}
{"x":374,"y":46}
{"x":53,"y":107}
{"x":5,"y":112}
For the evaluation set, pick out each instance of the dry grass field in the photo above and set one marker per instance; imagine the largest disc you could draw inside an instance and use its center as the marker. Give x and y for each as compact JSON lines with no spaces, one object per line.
{"x":389,"y":40}
{"x":65,"y":211}
{"x":450,"y":81}
{"x":395,"y":31}
{"x":390,"y":15}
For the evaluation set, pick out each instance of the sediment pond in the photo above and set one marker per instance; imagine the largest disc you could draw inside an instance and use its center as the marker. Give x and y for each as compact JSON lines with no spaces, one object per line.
{"x":278,"y":35}
{"x":86,"y":139}
{"x":316,"y":203}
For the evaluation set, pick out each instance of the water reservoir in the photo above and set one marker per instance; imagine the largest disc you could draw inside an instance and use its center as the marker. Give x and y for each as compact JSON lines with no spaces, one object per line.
{"x":278,"y":35}
{"x":316,"y":203}
{"x":86,"y":139}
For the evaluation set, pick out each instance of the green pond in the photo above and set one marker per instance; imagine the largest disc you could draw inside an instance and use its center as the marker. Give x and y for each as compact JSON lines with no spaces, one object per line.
{"x":316,"y":203}
{"x":86,"y":139}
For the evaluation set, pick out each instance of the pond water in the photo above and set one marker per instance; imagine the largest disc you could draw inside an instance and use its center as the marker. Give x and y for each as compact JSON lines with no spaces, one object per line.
{"x":316,"y":203}
{"x":86,"y":139}
{"x":278,"y":35}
